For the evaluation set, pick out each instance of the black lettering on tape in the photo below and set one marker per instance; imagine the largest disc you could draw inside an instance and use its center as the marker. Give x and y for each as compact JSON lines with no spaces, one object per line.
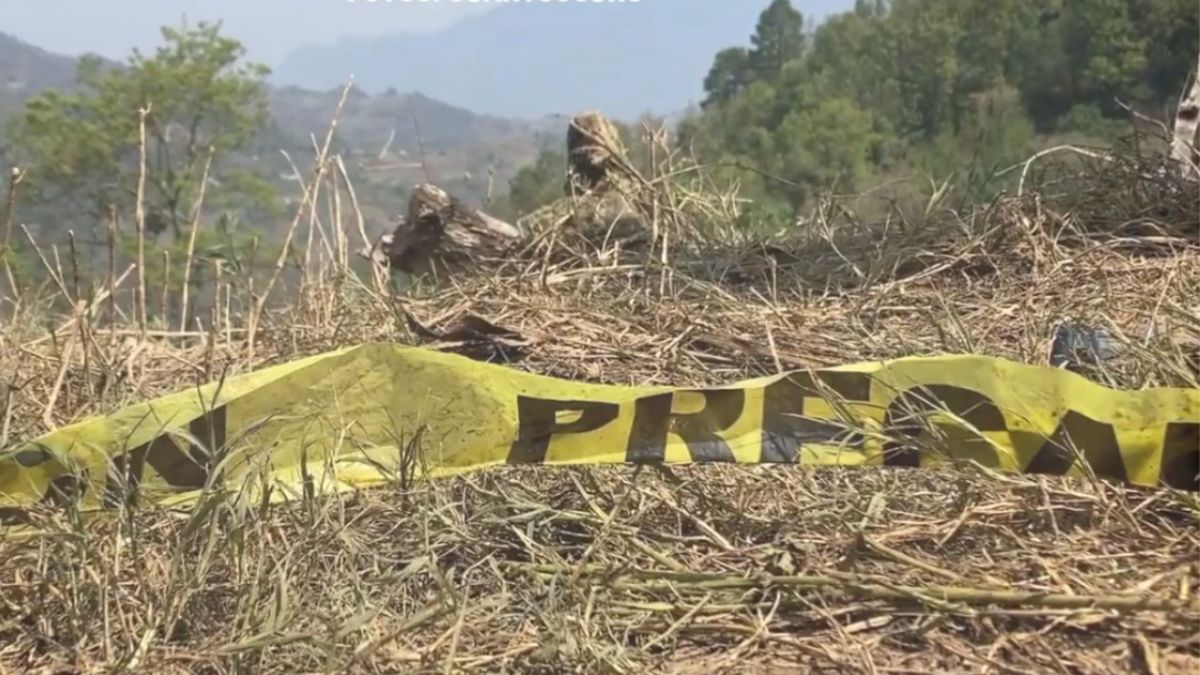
{"x":903,"y":420}
{"x":61,"y":492}
{"x":648,"y":436}
{"x":537,"y":423}
{"x":785,"y":426}
{"x":32,"y":456}
{"x":186,"y":468}
{"x":1181,"y":456}
{"x":653,"y":420}
{"x":1078,"y":434}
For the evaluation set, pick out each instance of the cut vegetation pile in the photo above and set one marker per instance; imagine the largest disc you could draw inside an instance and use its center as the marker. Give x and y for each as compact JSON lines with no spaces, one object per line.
{"x":697,"y":569}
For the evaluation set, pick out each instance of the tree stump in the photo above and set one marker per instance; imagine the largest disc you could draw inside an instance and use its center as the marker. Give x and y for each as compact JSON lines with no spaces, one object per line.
{"x":594,"y":152}
{"x":441,"y":234}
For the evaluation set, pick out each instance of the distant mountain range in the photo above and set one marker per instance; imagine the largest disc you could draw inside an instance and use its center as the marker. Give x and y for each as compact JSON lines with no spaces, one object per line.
{"x":527,"y":59}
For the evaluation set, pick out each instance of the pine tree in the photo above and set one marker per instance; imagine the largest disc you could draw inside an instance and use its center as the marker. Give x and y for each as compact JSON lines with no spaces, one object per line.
{"x":778,"y":38}
{"x":729,"y":75}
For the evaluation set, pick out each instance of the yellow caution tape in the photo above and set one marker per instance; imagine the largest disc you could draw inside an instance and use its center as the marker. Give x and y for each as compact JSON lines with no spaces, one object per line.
{"x":377,"y":413}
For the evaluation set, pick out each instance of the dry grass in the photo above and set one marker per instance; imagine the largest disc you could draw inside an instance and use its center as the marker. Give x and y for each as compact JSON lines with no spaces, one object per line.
{"x":699,"y":570}
{"x":704,"y":569}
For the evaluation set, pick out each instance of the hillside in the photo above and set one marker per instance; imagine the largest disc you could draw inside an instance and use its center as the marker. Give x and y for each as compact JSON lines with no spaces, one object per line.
{"x":527,"y":60}
{"x":378,"y":136}
{"x":26,"y":70}
{"x":459,"y":146}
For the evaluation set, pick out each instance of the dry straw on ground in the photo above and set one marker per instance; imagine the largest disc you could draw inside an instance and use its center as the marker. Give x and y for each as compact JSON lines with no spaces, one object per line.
{"x":701,"y":569}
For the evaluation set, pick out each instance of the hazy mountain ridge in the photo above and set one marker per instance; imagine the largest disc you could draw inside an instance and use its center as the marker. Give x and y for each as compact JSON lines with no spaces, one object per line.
{"x":370,"y":119}
{"x":26,"y":70}
{"x":526,"y":60}
{"x":378,"y":136}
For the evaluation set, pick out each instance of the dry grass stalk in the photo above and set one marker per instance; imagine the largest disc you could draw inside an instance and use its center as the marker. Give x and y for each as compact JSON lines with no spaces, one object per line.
{"x":140,"y":222}
{"x":164,"y":305}
{"x":10,"y":200}
{"x":193,"y":226}
{"x":319,"y":169}
{"x":313,"y":225}
{"x":111,"y":241}
{"x":378,"y":280}
{"x":478,"y":572}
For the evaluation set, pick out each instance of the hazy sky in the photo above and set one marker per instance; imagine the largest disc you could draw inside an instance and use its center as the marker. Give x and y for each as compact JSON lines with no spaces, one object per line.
{"x":271,"y":29}
{"x":268,"y":28}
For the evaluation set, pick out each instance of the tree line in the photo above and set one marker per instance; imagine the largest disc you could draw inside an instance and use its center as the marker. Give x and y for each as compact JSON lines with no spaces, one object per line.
{"x":923,"y":86}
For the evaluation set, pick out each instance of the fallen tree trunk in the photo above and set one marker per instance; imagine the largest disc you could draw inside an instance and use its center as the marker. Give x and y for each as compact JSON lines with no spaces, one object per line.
{"x":441,"y":234}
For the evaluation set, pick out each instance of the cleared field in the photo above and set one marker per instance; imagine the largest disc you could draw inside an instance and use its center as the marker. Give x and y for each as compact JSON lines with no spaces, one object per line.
{"x":628,"y":569}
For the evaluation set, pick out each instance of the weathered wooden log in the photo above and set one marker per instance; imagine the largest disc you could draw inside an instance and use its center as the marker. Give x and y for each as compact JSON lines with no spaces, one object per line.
{"x":441,"y":234}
